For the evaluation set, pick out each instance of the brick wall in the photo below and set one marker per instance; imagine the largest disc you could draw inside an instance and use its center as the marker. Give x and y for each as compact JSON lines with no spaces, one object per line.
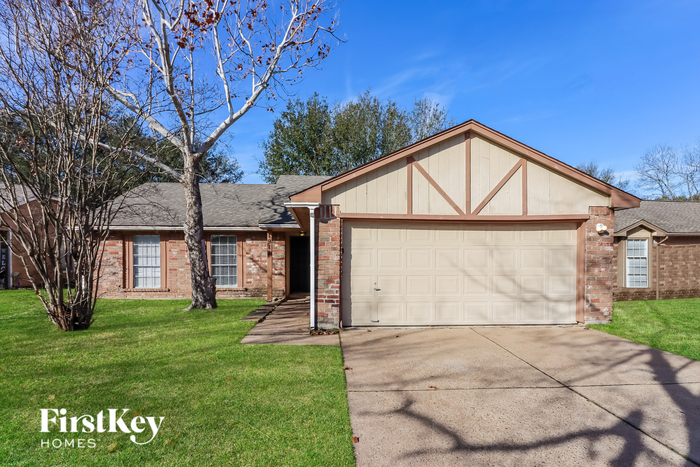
{"x":112,"y":264}
{"x":328,"y":272}
{"x":252,"y":266}
{"x":678,"y":272}
{"x":599,"y":266}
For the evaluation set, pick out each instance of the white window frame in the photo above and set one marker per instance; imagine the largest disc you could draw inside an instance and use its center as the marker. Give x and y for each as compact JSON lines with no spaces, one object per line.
{"x":150,"y":257}
{"x":636,"y":261}
{"x":215,"y":257}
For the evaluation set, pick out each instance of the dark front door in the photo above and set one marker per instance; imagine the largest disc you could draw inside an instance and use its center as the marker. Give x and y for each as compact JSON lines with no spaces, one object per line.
{"x":299,"y":274}
{"x":4,"y":262}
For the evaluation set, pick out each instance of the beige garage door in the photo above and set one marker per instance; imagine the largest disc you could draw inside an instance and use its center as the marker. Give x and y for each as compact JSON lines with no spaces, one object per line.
{"x":420,"y":274}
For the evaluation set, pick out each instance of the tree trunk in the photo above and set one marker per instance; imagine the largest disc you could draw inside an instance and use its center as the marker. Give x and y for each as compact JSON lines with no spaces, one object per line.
{"x":74,"y":317}
{"x":203,"y":290}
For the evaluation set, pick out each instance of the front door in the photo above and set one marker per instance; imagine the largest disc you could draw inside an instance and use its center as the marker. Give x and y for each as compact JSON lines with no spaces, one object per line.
{"x":299,"y":267}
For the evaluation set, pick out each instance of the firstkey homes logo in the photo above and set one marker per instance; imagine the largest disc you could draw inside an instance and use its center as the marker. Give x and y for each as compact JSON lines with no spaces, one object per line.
{"x":143,"y":430}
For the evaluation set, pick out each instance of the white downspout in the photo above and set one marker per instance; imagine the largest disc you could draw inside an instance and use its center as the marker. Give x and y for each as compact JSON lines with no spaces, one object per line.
{"x":312,"y":287}
{"x":312,"y":253}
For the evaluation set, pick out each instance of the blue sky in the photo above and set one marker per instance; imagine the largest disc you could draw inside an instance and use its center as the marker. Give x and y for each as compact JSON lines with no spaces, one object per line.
{"x":580,"y":81}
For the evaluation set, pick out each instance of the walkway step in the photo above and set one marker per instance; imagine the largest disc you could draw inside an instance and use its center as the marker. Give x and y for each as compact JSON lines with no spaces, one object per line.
{"x":261,"y":312}
{"x":287,"y":323}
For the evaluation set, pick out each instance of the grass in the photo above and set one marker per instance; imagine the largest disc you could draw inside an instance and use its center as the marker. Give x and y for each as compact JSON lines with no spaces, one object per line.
{"x":672,"y":325}
{"x":224,"y":403}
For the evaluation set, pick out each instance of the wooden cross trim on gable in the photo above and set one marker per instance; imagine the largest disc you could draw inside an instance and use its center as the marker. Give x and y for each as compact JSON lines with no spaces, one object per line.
{"x":411,"y":162}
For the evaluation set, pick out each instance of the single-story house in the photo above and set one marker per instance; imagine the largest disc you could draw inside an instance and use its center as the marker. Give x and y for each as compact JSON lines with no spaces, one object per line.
{"x":657,"y":251}
{"x":468,"y":226}
{"x":255,"y":248}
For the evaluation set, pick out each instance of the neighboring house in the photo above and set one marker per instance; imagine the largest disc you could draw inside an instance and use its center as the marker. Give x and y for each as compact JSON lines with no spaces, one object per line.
{"x":468,"y":226}
{"x":657,"y":251}
{"x":255,"y":247}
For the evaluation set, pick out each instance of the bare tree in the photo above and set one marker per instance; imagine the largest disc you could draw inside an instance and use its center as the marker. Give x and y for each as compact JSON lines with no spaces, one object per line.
{"x":669,"y":174}
{"x":197,"y":67}
{"x":57,"y":176}
{"x":691,"y":172}
{"x":606,"y":175}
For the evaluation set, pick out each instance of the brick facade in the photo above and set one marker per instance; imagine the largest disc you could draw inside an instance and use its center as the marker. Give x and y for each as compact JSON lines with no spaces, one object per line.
{"x":599,"y":266}
{"x":678,"y":270}
{"x":329,"y":231}
{"x":177,"y":270}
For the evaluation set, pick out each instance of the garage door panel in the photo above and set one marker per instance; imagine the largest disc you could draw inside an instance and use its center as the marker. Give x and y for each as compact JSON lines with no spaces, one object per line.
{"x":560,"y":308}
{"x":390,"y":312}
{"x":505,"y":312}
{"x":447,"y":285}
{"x":560,"y":284}
{"x":532,"y":258}
{"x":419,"y":286}
{"x":561,"y":258}
{"x":362,"y":285}
{"x":459,"y":274}
{"x":477,"y":312}
{"x":532,"y":234}
{"x":390,"y":285}
{"x":365,"y":235}
{"x":476,"y":285}
{"x":389,"y":258}
{"x":363,"y":258}
{"x":504,"y":235}
{"x":475,"y":237}
{"x":419,"y":312}
{"x":447,"y":236}
{"x":446,"y":259}
{"x":362,"y":313}
{"x":418,"y":235}
{"x":476,"y":258}
{"x":447,"y":312}
{"x":532,"y":285}
{"x":562,"y":234}
{"x":505,"y":258}
{"x":419,"y":258}
{"x":389,"y":236}
{"x":533,"y":312}
{"x":505,"y":285}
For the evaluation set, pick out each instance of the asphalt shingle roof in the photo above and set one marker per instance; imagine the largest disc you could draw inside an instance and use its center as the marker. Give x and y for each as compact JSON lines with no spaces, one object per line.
{"x":671,"y":216}
{"x":223,"y":204}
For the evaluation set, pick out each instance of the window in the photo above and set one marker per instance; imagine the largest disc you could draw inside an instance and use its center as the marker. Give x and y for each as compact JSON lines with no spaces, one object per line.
{"x":147,"y":261}
{"x":224,"y":260}
{"x":637,"y":263}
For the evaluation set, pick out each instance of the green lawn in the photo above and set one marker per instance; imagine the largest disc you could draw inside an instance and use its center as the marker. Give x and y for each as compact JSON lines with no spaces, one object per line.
{"x":224,"y":403}
{"x":672,"y":325}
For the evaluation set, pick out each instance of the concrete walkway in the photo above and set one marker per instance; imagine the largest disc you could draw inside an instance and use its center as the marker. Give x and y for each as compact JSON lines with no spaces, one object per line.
{"x":519,"y":396}
{"x":288,"y":324}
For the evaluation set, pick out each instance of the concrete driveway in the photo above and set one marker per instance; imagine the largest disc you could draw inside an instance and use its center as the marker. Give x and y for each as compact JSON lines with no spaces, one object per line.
{"x":519,"y":396}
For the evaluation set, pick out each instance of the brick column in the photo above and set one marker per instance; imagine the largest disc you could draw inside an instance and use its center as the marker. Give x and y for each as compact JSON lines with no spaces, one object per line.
{"x":328,"y":269}
{"x":600,"y":268}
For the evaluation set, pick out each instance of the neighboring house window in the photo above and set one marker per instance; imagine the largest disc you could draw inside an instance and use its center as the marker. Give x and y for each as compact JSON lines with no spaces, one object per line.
{"x":224,"y":260}
{"x":147,"y":261}
{"x":637,"y":260}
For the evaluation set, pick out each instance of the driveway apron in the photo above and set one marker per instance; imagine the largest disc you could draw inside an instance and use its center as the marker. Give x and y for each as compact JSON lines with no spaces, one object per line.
{"x":518,"y":396}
